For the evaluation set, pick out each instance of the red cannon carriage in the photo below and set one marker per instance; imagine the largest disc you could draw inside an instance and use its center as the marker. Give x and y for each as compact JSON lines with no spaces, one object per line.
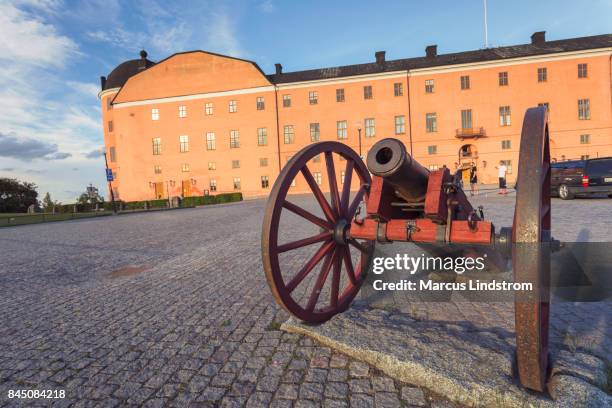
{"x":403,"y":201}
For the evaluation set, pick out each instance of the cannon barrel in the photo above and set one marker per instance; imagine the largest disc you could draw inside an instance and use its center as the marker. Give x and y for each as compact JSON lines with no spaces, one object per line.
{"x":389,"y":159}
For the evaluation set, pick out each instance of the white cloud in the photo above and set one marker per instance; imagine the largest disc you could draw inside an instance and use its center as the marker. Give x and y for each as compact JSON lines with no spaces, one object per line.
{"x":267,"y":6}
{"x":26,"y":39}
{"x":222,"y":35}
{"x":86,"y":88}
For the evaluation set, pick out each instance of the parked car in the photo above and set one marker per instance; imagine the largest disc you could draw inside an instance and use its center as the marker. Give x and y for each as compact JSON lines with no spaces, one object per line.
{"x":575,"y":178}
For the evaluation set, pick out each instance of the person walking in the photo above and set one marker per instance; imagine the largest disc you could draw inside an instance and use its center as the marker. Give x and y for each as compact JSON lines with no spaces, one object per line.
{"x":473,"y":179}
{"x":501,"y":173}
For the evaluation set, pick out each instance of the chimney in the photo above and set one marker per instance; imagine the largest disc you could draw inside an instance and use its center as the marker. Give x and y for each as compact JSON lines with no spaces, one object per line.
{"x":102,"y":82}
{"x":279,"y":68}
{"x":431,"y":51}
{"x":538,"y":38}
{"x":380,"y":57}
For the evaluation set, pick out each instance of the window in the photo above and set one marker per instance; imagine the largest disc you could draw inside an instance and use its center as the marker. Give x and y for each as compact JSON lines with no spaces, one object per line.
{"x":582,"y":70}
{"x":213,"y":185}
{"x":506,"y":144}
{"x":466,"y":119}
{"x":398,"y":89}
{"x":208,"y":108}
{"x":233,"y":107}
{"x":260,"y":103}
{"x":109,"y":104}
{"x":584,"y":157}
{"x":185,"y":167}
{"x":400,"y":125}
{"x":367,"y":92}
{"x":584,"y":109}
{"x":155,"y":114}
{"x":546,"y":105}
{"x":465,"y":82}
{"x":262,"y":136}
{"x":235,"y":164}
{"x":289,"y":134}
{"x":263,"y":162}
{"x":317,"y":177}
{"x":316,"y":159}
{"x":184,"y":143}
{"x":433,"y":167}
{"x":508,"y":164}
{"x":504,"y":116}
{"x":429,"y":85}
{"x":342,"y":175}
{"x":503,"y":78}
{"x":265,"y":182}
{"x":313,"y":97}
{"x":211,"y":142}
{"x":157,"y":146}
{"x":340,"y":95}
{"x":542,"y":75}
{"x":182,"y":111}
{"x":212,"y":165}
{"x":234,"y":139}
{"x":112,"y":152}
{"x":431,"y":122}
{"x":157,"y":169}
{"x":286,"y":101}
{"x":315,"y":132}
{"x":433,"y":149}
{"x":585,"y":139}
{"x":370,"y":127}
{"x":341,"y":129}
{"x":236,"y":183}
{"x":110,"y":125}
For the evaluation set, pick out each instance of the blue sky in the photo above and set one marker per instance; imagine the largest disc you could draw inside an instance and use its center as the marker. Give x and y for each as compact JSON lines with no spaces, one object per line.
{"x":52,"y":53}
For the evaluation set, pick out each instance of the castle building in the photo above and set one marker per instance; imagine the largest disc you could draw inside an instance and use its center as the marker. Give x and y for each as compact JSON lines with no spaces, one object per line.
{"x":199,"y":122}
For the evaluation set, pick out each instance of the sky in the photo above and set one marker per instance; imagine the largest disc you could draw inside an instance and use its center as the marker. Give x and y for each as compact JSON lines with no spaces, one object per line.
{"x":53,"y":52}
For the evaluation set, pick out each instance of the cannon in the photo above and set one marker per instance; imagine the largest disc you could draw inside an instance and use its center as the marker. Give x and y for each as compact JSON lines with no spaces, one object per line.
{"x":403,"y":201}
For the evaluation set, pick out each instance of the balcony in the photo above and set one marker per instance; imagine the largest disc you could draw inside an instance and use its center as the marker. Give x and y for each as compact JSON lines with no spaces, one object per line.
{"x":472,"y":133}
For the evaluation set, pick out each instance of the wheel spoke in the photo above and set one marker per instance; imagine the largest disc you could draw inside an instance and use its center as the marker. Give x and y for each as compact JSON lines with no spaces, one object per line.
{"x":348,"y":264}
{"x":299,"y":277}
{"x":333,"y":183}
{"x":314,"y":296}
{"x":356,"y":201}
{"x":358,"y":245}
{"x":346,"y":188}
{"x":307,"y":215}
{"x":304,"y":242}
{"x":327,"y":210}
{"x":335,"y":288}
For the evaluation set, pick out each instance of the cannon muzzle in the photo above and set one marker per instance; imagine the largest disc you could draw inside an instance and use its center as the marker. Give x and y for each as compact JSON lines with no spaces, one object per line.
{"x":389,"y":159}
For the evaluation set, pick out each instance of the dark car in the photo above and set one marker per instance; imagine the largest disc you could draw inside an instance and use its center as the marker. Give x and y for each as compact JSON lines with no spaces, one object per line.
{"x":574,"y":178}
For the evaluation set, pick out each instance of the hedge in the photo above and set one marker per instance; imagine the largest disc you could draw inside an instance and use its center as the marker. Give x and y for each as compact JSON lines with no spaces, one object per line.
{"x":152,"y":204}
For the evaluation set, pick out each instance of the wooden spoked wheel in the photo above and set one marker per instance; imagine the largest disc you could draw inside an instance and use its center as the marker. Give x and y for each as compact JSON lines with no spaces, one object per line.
{"x":336,"y":263}
{"x":530,"y":249}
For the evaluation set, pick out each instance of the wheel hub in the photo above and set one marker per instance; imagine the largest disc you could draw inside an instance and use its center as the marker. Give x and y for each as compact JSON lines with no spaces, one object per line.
{"x":340,"y":231}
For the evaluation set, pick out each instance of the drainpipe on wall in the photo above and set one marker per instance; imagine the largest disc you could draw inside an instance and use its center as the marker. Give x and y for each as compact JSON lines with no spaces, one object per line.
{"x":277,"y":128}
{"x":409,"y":112}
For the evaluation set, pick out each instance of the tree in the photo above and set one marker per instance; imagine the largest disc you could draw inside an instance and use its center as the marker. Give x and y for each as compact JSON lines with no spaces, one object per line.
{"x":17,"y":196}
{"x":47,"y":203}
{"x":90,"y":196}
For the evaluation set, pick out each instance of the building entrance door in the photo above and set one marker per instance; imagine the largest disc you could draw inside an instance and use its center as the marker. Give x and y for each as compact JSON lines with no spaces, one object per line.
{"x":159,"y":190}
{"x":186,"y":188}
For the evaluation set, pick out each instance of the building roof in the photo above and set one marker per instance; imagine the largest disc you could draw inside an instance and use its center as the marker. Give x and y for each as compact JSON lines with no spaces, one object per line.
{"x":538,"y":46}
{"x":119,"y":76}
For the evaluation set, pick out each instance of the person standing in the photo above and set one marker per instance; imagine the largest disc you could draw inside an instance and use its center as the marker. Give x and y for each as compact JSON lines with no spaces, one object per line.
{"x":501,"y":173}
{"x":473,"y":180}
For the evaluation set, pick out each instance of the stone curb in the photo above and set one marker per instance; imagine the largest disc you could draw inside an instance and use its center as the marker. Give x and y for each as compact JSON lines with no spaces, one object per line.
{"x":464,"y":363}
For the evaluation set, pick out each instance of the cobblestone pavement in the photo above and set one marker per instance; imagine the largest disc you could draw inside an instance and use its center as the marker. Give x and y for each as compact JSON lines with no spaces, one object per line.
{"x":193,"y":322}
